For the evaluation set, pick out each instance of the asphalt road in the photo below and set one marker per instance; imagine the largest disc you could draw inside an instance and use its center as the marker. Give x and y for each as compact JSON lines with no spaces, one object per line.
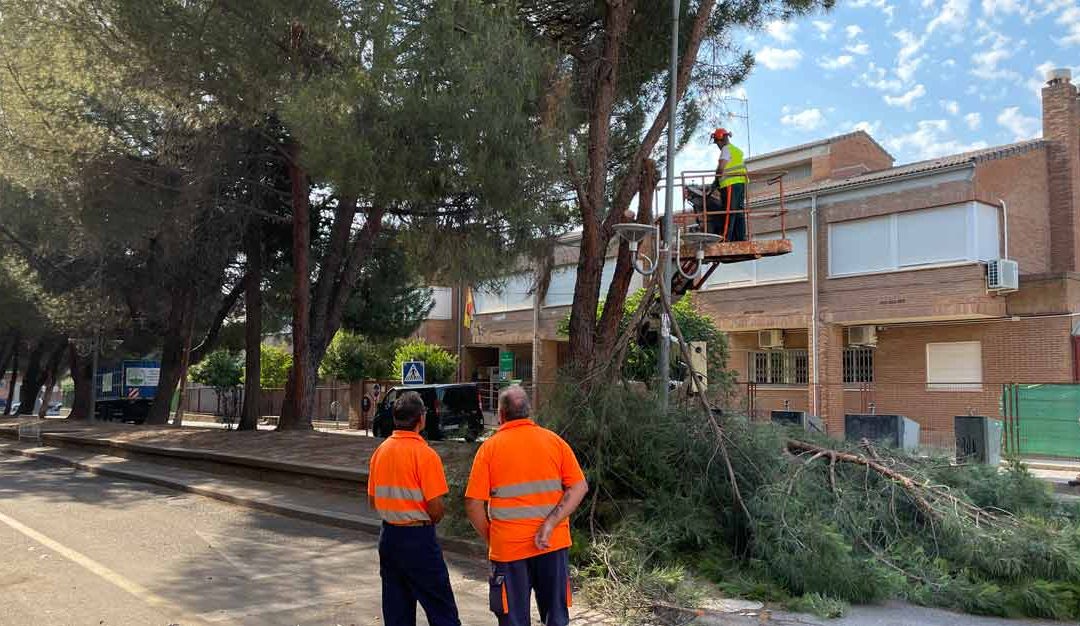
{"x":77,"y":550}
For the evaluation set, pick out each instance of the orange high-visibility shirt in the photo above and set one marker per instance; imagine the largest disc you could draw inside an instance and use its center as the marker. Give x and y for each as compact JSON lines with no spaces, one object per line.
{"x":521,"y":472}
{"x":405,"y":473}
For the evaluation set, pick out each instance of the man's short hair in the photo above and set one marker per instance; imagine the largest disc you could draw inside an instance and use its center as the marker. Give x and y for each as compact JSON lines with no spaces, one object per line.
{"x":408,"y":409}
{"x":514,"y":403}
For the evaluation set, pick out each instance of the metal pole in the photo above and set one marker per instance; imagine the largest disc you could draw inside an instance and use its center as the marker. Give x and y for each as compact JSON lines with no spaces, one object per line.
{"x":97,"y":342}
{"x":666,"y":270}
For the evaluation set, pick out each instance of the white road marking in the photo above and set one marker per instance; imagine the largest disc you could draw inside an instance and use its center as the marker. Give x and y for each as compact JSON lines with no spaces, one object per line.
{"x":130,"y":586}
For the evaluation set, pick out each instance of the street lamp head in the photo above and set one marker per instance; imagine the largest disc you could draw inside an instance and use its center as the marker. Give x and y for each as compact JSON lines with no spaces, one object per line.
{"x":700,"y":239}
{"x":634,"y":233}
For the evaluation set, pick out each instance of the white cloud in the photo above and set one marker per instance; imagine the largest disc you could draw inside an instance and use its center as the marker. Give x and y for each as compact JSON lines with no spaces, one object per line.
{"x":853,"y":31}
{"x":823,"y":28}
{"x":952,"y":106}
{"x":835,"y":63}
{"x":973,"y":120}
{"x":1021,"y":126}
{"x":858,"y":47}
{"x":985,"y":63}
{"x":907,"y":101}
{"x":875,"y":78}
{"x":779,"y":59}
{"x":953,"y":15}
{"x":810,"y":119}
{"x":993,"y":8}
{"x":931,"y":139}
{"x":886,"y":8}
{"x":907,"y":61}
{"x":781,"y":31}
{"x":871,"y":128}
{"x":1070,"y":19}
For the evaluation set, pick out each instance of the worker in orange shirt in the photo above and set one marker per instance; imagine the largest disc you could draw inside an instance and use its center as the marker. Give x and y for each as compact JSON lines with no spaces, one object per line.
{"x":406,"y":485}
{"x":524,"y":485}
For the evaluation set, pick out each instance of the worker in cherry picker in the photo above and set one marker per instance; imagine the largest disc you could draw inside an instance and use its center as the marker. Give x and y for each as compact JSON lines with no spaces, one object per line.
{"x":727,"y":199}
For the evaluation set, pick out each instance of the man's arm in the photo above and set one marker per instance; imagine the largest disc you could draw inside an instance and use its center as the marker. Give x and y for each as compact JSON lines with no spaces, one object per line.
{"x":476,"y":511}
{"x":371,"y":502}
{"x":436,"y":509}
{"x":571,"y":500}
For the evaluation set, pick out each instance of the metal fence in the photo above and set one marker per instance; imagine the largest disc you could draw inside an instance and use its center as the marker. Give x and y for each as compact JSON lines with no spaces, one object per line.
{"x":206,"y":400}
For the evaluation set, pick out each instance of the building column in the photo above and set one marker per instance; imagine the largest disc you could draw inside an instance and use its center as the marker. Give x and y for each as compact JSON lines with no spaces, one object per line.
{"x":547,"y":369}
{"x":827,"y":396}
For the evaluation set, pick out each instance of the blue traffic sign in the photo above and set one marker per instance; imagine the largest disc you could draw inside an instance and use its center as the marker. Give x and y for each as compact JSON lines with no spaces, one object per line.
{"x":412,"y":373}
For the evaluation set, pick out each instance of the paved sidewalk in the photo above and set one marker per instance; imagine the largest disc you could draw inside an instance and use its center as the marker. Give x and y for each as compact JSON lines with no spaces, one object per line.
{"x":332,"y":450}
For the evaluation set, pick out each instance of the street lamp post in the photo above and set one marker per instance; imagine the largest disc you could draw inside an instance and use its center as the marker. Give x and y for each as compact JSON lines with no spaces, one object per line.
{"x":664,"y":362}
{"x":661,"y":260}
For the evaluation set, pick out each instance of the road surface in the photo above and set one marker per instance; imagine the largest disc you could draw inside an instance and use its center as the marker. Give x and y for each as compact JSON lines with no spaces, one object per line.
{"x":81,"y":550}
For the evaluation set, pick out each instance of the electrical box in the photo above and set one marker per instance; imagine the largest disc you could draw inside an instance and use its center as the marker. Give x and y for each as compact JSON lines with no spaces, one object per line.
{"x":492,"y":373}
{"x":895,"y":431}
{"x":862,"y":336}
{"x":978,"y":439}
{"x":1002,"y":275}
{"x":771,"y":339}
{"x":809,"y":423}
{"x":699,"y":359}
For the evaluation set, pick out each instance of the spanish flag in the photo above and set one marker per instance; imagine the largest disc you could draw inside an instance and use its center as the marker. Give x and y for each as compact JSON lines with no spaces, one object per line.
{"x":470,"y":308}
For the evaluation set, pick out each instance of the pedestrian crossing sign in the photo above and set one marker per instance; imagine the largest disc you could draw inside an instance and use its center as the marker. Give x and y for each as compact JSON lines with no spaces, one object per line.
{"x":412,"y":373}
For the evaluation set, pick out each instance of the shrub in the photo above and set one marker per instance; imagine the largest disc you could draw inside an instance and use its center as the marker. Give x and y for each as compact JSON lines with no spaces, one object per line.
{"x":274,"y":364}
{"x":352,"y":357}
{"x":440,"y":366}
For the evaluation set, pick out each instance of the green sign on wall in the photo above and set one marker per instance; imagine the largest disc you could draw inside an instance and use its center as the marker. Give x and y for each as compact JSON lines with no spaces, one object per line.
{"x":506,"y":365}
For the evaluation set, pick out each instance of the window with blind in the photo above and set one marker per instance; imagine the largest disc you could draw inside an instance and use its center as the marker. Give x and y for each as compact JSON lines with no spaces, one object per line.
{"x":954,"y":366}
{"x":779,"y":367}
{"x":858,"y":365}
{"x":960,"y":233}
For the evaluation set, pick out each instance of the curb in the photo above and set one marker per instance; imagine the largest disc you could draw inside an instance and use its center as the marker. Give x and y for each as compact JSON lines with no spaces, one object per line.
{"x":319,"y":471}
{"x":308,"y":514}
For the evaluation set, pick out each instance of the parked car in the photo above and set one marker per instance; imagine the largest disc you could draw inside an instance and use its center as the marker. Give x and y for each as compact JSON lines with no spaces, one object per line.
{"x":452,"y":410}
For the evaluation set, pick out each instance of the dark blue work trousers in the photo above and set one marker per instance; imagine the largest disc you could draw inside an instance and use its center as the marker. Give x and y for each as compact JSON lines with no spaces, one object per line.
{"x":512,"y":582}
{"x":412,"y":569}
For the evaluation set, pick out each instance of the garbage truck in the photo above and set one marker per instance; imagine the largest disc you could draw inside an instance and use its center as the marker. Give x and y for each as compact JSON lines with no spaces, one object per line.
{"x":124,"y":390}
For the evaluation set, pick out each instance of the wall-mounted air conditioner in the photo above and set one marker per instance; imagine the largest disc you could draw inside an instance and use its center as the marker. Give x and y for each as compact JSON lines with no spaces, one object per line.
{"x":862,"y":336}
{"x":1002,"y":275}
{"x":770,"y":339}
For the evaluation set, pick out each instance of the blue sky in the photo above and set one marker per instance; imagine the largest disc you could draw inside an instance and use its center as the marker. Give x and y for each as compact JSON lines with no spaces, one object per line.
{"x":924,"y":77}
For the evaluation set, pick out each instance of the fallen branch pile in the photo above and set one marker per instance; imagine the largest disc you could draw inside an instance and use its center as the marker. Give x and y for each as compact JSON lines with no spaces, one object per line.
{"x":771,"y":514}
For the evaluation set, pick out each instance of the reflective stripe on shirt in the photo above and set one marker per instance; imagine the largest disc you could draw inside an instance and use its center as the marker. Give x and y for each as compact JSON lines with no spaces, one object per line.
{"x":521,"y":512}
{"x":399,"y":493}
{"x":527,"y":488}
{"x":404,"y":516}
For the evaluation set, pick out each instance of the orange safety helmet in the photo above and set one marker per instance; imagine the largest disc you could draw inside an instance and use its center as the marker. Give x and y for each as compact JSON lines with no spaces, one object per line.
{"x":720,"y":133}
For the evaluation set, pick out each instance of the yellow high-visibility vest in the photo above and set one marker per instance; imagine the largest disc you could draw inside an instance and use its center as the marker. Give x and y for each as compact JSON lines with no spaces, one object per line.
{"x":735,"y":172}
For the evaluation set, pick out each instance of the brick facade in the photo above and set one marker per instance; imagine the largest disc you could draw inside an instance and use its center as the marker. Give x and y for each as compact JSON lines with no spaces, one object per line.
{"x":1024,"y":336}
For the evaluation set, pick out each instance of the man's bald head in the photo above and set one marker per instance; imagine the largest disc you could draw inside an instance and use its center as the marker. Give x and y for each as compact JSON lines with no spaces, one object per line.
{"x":514,"y":404}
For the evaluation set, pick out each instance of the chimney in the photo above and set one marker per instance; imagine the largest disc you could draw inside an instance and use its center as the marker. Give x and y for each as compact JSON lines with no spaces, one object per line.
{"x":1061,"y":129}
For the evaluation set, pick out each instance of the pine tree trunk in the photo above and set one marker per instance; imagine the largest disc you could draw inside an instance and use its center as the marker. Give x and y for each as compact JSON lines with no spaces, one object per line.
{"x":33,"y":377}
{"x":249,"y":420}
{"x":14,"y":379}
{"x":172,"y":355}
{"x":295,"y":412}
{"x":52,"y":374}
{"x":83,"y":377}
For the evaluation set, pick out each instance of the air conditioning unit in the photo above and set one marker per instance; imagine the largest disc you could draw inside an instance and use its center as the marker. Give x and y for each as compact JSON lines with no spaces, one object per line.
{"x":770,"y":339}
{"x":862,"y":336}
{"x":1002,"y":275}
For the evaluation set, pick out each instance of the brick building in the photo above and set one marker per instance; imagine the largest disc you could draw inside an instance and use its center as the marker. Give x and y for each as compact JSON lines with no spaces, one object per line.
{"x":884,"y":305}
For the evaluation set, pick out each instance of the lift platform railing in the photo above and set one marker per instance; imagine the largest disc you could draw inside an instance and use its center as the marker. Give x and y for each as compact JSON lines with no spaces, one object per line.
{"x":704,"y":179}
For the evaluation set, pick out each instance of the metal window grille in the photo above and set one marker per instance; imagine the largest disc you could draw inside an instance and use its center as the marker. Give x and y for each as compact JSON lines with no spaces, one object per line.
{"x":780,"y":367}
{"x":858,"y":365}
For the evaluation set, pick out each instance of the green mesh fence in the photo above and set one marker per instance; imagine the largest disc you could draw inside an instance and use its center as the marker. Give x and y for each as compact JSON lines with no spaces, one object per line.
{"x":1042,"y":419}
